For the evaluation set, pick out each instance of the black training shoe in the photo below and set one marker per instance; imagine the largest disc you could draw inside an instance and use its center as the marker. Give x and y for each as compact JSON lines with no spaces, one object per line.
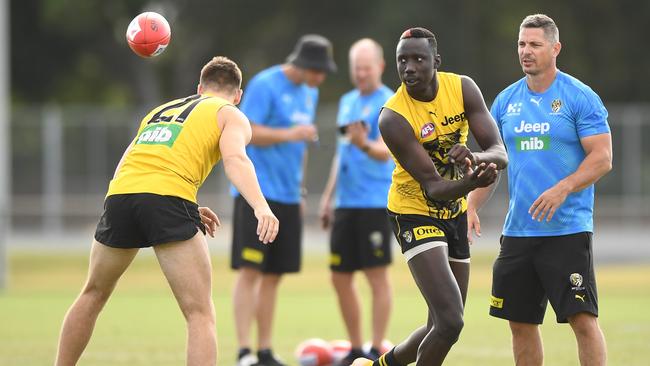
{"x":245,"y":358}
{"x":266,"y":358}
{"x":351,"y":356}
{"x":373,"y":353}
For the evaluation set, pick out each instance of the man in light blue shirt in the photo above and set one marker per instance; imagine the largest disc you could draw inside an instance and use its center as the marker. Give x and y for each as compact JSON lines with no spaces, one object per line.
{"x":359,"y":181}
{"x":559,"y":144}
{"x":281,"y":104}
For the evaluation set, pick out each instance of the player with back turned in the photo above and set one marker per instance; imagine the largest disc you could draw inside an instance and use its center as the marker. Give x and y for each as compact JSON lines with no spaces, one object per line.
{"x":151,"y":202}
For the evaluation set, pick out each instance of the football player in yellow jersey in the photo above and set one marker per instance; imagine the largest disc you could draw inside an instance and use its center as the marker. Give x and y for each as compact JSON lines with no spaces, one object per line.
{"x":425,"y":126}
{"x":151,"y":202}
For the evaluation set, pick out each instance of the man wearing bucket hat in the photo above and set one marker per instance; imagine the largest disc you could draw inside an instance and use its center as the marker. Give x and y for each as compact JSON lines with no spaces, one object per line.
{"x":281,"y":105}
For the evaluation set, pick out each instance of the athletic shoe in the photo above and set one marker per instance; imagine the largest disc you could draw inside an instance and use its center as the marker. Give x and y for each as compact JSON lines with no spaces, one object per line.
{"x":373,"y":353}
{"x":354,"y":354}
{"x":247,"y":360}
{"x":266,"y":358}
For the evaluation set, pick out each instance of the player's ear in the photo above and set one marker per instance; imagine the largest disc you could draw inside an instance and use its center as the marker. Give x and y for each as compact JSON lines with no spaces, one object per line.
{"x":556,"y":48}
{"x":437,"y":61}
{"x":199,"y":89}
{"x":238,"y":95}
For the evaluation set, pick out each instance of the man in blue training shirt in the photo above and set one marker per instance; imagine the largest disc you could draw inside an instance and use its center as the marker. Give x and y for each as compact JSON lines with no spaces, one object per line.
{"x":559,"y":144}
{"x":359,"y":180}
{"x":281,"y":105}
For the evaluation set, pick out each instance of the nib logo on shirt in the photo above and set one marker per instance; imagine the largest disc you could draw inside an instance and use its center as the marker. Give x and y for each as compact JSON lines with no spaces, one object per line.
{"x":159,"y":134}
{"x":533,"y":143}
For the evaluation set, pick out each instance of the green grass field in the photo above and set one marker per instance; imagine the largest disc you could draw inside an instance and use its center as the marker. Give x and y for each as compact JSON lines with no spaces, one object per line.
{"x":141,"y":325}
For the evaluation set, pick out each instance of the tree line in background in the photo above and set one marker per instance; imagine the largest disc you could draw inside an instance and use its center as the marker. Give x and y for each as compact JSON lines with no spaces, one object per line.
{"x":74,"y":51}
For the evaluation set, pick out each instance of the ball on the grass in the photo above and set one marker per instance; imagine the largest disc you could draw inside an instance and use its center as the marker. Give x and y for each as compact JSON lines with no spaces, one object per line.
{"x":148,"y":34}
{"x":340,"y":349}
{"x":314,"y":352}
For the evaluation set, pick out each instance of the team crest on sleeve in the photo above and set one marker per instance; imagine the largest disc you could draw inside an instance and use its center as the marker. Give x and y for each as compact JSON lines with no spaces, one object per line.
{"x":556,"y":105}
{"x":407,"y":236}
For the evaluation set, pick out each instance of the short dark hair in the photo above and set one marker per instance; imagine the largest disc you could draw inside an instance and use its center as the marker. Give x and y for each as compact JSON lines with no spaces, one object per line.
{"x":221,"y":73}
{"x":551,"y":32}
{"x":419,"y":32}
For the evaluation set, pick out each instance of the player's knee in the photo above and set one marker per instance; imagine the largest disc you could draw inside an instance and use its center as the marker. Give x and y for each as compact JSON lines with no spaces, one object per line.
{"x":97,"y":293}
{"x":341,"y":280}
{"x":584,"y":324}
{"x":449,"y":329}
{"x":523,"y":330}
{"x":379,"y":285}
{"x":197,"y":309}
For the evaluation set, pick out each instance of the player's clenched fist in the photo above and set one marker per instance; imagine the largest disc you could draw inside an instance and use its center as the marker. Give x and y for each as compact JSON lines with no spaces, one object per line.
{"x":458,"y":153}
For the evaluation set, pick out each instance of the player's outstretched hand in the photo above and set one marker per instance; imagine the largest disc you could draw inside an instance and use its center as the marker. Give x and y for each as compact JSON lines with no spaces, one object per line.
{"x":267,"y":225}
{"x":209,"y":220}
{"x":483,"y":175}
{"x":459,"y":154}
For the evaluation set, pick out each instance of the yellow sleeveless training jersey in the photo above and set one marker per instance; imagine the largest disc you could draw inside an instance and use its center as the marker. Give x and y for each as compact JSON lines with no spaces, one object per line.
{"x":438,"y":125}
{"x":174,"y":150}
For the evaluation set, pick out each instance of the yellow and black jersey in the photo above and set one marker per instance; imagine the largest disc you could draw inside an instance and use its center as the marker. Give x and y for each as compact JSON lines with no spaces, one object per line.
{"x":438,"y":125}
{"x":174,"y":150}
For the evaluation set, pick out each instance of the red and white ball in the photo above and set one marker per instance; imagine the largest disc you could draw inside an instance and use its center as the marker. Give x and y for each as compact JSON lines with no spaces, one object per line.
{"x":340,"y":349}
{"x":148,"y":34}
{"x":314,"y":352}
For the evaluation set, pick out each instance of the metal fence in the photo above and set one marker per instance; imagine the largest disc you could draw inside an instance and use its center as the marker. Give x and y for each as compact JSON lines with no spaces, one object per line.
{"x":63,"y":157}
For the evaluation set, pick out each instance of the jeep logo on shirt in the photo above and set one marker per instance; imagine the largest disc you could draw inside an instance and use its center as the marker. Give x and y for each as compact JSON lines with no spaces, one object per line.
{"x":159,"y":134}
{"x":453,"y":119}
{"x":542,"y":128}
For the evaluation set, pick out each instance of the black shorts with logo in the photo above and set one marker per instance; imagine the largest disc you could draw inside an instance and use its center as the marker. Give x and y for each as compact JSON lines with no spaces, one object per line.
{"x":417,"y":233}
{"x":281,"y":256}
{"x":141,"y":220}
{"x":360,"y":239}
{"x":531,"y":271}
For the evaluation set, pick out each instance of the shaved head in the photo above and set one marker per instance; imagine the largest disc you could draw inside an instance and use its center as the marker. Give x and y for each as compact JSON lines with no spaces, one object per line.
{"x":367,"y":45}
{"x":366,"y":65}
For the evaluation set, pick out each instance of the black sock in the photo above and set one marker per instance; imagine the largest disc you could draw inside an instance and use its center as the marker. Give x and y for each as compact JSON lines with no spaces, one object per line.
{"x":243,"y":352}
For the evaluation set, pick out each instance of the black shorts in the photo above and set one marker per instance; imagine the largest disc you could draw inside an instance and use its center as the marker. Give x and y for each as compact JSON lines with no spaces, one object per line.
{"x":531,"y":271}
{"x":417,"y":233}
{"x":281,"y":256}
{"x":360,"y":239}
{"x":141,"y":220}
